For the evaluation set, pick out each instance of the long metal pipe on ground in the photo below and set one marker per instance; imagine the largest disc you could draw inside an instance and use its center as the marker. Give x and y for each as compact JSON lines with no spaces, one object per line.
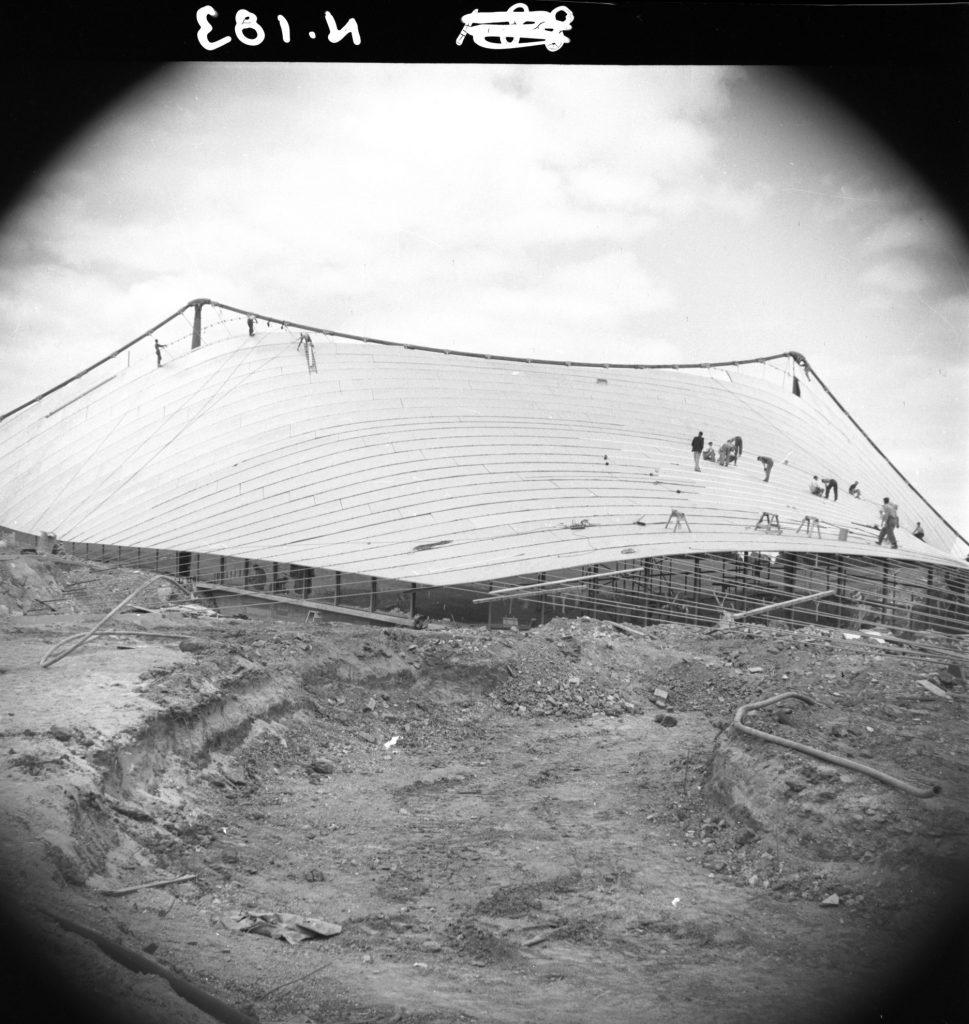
{"x":79,"y":639}
{"x":205,"y":1001}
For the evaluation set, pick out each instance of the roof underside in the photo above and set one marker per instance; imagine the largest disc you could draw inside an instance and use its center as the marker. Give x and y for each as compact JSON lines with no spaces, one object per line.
{"x":441,"y":468}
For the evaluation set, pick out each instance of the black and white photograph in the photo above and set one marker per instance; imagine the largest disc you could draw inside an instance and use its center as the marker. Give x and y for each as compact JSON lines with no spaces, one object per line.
{"x":484,"y":499}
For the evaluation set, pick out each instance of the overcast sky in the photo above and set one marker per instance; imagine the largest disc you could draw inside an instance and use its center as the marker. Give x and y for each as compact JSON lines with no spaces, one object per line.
{"x":621,"y":214}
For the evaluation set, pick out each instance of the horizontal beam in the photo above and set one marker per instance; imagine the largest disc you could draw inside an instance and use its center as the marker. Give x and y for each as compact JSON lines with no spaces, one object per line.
{"x":315,"y":606}
{"x":782,"y":604}
{"x":539,"y":588}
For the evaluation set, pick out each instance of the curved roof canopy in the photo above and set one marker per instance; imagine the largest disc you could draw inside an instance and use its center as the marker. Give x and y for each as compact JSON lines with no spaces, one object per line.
{"x":262,"y":439}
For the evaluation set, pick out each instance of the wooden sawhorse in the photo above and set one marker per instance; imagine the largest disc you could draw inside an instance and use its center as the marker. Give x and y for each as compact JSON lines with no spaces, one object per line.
{"x":771,"y":520}
{"x":811,"y":522}
{"x":679,"y":517}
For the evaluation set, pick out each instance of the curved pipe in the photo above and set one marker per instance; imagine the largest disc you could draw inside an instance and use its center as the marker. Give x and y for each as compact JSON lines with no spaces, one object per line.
{"x":79,"y":639}
{"x":844,"y":762}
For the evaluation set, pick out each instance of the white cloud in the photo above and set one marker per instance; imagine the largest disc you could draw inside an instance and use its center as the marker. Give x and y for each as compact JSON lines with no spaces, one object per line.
{"x":907,"y":230}
{"x":899,"y":276}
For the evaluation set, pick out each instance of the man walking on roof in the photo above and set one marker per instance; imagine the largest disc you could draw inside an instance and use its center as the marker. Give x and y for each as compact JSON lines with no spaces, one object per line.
{"x":889,"y":514}
{"x":697,"y":446}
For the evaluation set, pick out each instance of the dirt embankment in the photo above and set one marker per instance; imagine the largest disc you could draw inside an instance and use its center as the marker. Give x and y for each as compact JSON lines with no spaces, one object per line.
{"x":557,"y":824}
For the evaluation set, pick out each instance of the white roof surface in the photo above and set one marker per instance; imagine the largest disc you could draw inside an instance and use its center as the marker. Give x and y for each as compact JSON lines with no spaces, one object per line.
{"x":440,"y":468}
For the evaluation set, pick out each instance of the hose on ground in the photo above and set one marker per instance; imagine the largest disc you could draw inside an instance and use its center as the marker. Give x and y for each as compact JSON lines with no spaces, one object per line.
{"x":738,"y":723}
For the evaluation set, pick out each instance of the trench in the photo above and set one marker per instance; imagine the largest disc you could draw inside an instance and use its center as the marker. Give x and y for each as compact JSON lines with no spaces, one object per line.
{"x":150,"y":775}
{"x":495,"y":822}
{"x":140,"y":763}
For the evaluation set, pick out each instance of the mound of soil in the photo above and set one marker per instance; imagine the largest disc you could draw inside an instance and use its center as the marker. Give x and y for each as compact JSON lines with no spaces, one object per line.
{"x":553,"y":825}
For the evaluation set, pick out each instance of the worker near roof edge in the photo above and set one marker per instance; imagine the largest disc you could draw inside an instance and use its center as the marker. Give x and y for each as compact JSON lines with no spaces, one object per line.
{"x":889,"y":514}
{"x":697,"y":448}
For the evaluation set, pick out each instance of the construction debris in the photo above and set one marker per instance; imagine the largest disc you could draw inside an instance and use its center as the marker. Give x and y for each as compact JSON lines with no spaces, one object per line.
{"x":290,"y":927}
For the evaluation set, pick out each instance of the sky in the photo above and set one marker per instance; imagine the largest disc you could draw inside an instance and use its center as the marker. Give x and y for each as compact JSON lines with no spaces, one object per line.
{"x":640,"y":214}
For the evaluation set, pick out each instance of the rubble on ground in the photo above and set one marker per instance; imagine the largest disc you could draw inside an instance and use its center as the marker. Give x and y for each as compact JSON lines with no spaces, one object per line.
{"x":477,"y":806}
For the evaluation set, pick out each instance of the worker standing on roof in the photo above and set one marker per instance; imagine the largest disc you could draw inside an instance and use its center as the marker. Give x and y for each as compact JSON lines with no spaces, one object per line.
{"x":889,"y":514}
{"x":768,"y":465}
{"x":697,"y":447}
{"x":830,"y":484}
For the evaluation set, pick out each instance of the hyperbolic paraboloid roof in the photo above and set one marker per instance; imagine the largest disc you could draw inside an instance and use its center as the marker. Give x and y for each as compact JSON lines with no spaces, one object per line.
{"x":297,"y":445}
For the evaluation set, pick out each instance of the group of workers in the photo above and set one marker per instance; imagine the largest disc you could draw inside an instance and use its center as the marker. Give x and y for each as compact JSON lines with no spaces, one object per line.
{"x":824,"y":487}
{"x":729,"y":453}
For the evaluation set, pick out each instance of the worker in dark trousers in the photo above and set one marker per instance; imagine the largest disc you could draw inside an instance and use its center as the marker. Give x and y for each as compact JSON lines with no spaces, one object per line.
{"x":830,"y":484}
{"x":697,"y":447}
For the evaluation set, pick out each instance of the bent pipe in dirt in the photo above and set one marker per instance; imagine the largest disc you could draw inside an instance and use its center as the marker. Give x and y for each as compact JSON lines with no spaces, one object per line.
{"x":205,"y":1001}
{"x":82,"y":638}
{"x":844,"y":762}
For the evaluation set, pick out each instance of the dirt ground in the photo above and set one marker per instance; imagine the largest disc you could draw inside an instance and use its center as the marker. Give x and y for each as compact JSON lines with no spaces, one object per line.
{"x":472,"y":825}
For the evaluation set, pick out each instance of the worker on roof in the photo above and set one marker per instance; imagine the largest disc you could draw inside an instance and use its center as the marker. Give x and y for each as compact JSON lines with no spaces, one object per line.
{"x":697,"y":447}
{"x":768,"y":465}
{"x":854,"y":491}
{"x":709,"y":453}
{"x":728,"y":453}
{"x":815,"y":487}
{"x":889,"y":516}
{"x":830,"y":484}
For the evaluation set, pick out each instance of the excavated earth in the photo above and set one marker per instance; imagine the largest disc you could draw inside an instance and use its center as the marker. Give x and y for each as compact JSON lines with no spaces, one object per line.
{"x":492,"y":826}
